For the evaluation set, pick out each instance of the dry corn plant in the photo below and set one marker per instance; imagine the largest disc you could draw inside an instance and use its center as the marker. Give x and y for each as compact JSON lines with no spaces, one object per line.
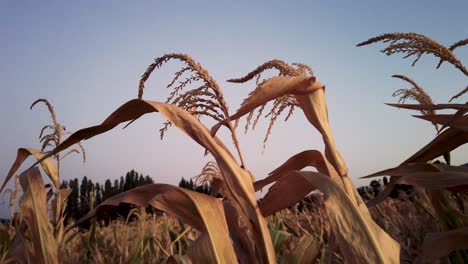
{"x":359,"y":239}
{"x":31,"y":225}
{"x":437,"y":179}
{"x":233,"y":229}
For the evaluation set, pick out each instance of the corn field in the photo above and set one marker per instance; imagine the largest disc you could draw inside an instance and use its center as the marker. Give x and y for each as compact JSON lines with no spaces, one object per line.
{"x":306,"y":216}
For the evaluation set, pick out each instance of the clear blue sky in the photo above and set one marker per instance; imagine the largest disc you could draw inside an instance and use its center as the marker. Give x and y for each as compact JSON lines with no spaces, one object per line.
{"x":86,"y":58}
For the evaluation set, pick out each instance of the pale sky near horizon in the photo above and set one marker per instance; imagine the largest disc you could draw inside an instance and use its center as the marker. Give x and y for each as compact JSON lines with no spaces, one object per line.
{"x":86,"y":57}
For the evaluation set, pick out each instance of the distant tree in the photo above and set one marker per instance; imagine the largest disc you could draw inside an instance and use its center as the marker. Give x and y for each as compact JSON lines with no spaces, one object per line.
{"x":98,"y":191}
{"x":72,"y":205}
{"x":107,"y":192}
{"x":121,"y":183}
{"x":84,"y":196}
{"x":115,"y":189}
{"x":148,"y":180}
{"x":79,"y":199}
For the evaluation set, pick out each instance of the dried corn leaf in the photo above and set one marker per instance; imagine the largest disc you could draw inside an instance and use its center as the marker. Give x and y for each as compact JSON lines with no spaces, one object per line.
{"x":47,"y":164}
{"x":275,"y":88}
{"x":405,"y":169}
{"x":33,"y":209}
{"x":310,"y":95}
{"x":359,"y":238}
{"x":437,"y":245}
{"x":299,"y":161}
{"x":459,"y":122}
{"x":445,"y":142}
{"x":59,"y":205}
{"x":285,"y":193}
{"x":359,"y":234}
{"x":198,"y":210}
{"x":430,"y":176}
{"x":319,"y":161}
{"x":314,"y":106}
{"x":431,"y":107}
{"x":237,"y":182}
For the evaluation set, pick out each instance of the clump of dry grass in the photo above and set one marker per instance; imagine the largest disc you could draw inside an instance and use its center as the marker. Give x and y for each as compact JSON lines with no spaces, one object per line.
{"x":147,"y":238}
{"x":154,"y":238}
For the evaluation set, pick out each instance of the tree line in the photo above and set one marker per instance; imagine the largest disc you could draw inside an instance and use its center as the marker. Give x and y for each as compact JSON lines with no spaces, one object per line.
{"x":87,"y":194}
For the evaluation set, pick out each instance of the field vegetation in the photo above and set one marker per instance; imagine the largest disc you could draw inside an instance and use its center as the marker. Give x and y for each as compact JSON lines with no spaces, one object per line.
{"x":306,"y":216}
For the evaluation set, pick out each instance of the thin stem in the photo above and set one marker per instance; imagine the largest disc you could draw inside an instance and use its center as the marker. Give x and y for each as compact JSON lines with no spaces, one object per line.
{"x":237,"y":144}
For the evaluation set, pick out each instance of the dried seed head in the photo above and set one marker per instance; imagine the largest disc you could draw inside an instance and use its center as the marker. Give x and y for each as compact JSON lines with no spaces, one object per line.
{"x":412,"y":44}
{"x":279,"y":104}
{"x":459,"y":94}
{"x":208,"y":173}
{"x":415,"y":93}
{"x":205,"y":100}
{"x":54,"y":138}
{"x":58,"y":128}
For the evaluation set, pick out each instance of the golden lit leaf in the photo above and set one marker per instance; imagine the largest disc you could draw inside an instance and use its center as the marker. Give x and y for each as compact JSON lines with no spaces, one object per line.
{"x":359,"y":238}
{"x":274,"y":88}
{"x":47,"y":164}
{"x":315,"y":109}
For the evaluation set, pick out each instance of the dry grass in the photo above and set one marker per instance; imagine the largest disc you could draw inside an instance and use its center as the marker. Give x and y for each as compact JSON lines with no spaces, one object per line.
{"x":153,"y":238}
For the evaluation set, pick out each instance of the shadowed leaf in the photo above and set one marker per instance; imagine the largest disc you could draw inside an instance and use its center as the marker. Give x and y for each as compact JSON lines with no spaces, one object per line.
{"x":430,"y":176}
{"x":459,"y":122}
{"x":437,"y":245}
{"x":431,"y":107}
{"x":307,"y":250}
